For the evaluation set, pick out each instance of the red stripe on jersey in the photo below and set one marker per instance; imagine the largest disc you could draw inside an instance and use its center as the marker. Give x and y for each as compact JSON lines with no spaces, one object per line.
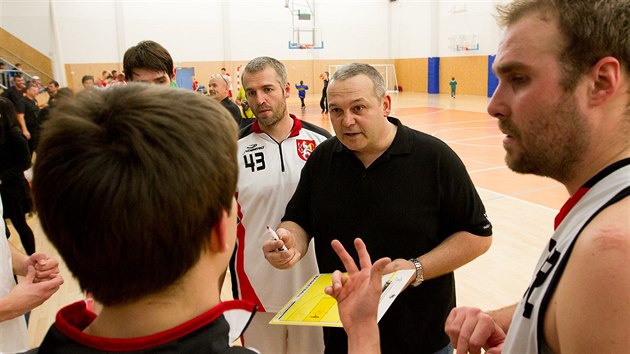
{"x":297,"y":126}
{"x":246,"y":290}
{"x":566,"y":208}
{"x":73,"y":319}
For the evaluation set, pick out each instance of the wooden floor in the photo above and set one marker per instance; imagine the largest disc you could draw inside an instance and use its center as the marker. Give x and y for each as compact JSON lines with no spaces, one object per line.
{"x":521,"y":208}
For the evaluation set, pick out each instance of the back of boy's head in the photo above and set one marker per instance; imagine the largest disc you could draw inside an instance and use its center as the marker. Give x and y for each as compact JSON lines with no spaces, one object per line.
{"x":129,"y":183}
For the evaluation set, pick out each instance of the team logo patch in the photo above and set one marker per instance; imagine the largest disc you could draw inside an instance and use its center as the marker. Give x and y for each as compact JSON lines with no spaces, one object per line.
{"x":305,"y":148}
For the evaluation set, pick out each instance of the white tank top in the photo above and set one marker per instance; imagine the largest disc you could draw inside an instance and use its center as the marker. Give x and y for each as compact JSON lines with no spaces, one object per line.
{"x":526,"y":330}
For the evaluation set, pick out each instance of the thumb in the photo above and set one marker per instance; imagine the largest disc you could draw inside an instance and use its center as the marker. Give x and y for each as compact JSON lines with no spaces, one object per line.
{"x":30,"y":274}
{"x":377,"y":268}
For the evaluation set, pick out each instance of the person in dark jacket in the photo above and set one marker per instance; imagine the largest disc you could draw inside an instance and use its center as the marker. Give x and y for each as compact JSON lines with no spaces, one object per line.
{"x":15,"y":158}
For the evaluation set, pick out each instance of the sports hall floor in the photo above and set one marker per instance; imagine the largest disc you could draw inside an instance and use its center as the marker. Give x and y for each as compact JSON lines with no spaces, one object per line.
{"x":521,"y":208}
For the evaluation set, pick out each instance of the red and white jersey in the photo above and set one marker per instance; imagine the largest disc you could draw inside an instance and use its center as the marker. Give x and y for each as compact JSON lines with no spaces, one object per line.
{"x":269,"y":172}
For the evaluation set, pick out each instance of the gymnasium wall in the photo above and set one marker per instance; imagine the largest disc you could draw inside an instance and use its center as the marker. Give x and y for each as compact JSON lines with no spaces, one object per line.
{"x":89,"y":36}
{"x":306,"y":70}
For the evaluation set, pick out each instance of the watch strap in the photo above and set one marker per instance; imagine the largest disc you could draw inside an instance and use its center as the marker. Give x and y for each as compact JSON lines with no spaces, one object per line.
{"x":419,"y":272}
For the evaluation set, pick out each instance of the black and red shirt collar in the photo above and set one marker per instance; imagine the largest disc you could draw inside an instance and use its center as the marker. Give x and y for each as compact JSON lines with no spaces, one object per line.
{"x":297,"y":126}
{"x":74,"y":318}
{"x":575,"y":198}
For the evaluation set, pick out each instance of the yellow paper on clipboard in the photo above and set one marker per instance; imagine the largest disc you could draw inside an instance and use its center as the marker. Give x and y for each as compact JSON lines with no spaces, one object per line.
{"x":312,"y":307}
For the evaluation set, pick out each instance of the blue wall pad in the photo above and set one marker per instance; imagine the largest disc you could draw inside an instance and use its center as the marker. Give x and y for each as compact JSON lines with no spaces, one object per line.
{"x":434,"y":75}
{"x":493,"y":81}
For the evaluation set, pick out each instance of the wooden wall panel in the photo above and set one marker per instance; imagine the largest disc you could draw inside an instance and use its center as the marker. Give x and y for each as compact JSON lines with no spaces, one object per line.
{"x":412,"y":74}
{"x":471,"y":74}
{"x":33,"y":61}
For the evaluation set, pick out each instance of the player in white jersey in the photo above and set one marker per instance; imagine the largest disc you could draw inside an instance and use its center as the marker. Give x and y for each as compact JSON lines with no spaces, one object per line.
{"x":563,"y":102}
{"x":271,"y":154}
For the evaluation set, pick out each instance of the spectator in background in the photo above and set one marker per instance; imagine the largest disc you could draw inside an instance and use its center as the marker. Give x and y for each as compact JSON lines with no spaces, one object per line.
{"x":119,"y":80}
{"x":323,"y":103}
{"x":15,"y":158}
{"x":28,"y":115}
{"x":224,"y":72}
{"x":38,"y":82}
{"x":4,"y":81}
{"x":15,"y":92}
{"x":453,"y":85}
{"x":218,"y":88}
{"x":248,"y":115}
{"x":302,"y":92}
{"x":53,"y":90}
{"x":104,"y":76}
{"x":88,"y":82}
{"x":108,"y":80}
{"x":150,"y":63}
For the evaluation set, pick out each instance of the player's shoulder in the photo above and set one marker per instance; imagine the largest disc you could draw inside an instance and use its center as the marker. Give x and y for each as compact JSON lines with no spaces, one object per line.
{"x":314,"y":129}
{"x":609,"y":231}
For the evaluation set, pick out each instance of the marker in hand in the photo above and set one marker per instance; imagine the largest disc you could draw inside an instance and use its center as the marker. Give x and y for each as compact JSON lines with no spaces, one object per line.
{"x":274,"y":235}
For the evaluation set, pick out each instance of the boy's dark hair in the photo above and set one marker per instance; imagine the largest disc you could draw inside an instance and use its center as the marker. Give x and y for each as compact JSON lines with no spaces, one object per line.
{"x":129,"y":183}
{"x":148,"y":55}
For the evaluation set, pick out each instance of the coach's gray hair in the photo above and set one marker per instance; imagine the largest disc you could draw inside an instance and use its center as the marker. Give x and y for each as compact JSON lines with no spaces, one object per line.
{"x":351,"y":70}
{"x":261,"y":63}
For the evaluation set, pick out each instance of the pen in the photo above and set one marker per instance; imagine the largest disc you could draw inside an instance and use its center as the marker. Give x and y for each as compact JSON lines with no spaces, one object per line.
{"x":388,"y":283}
{"x":274,"y":236}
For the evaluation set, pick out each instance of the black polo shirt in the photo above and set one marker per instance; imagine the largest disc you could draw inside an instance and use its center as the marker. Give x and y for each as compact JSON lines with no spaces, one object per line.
{"x":414,"y":196}
{"x":30,"y":110}
{"x":233,"y":109}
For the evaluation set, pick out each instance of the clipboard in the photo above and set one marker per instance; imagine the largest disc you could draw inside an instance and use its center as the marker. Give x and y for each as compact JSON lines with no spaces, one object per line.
{"x":311,"y":306}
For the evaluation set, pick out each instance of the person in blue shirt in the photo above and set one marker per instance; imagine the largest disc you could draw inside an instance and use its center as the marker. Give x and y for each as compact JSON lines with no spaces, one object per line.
{"x":302,"y":92}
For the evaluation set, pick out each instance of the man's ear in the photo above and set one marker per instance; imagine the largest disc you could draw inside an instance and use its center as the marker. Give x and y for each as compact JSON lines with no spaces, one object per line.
{"x":605,"y":77}
{"x":387,"y":105}
{"x":174,"y":74}
{"x":287,"y":90}
{"x":219,"y":240}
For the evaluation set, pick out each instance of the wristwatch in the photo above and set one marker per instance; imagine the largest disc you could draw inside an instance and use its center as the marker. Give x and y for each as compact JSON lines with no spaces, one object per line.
{"x":419,"y":272}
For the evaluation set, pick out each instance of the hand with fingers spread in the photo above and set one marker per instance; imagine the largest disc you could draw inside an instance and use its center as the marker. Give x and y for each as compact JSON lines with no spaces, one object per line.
{"x":357,"y":296}
{"x":471,"y":329}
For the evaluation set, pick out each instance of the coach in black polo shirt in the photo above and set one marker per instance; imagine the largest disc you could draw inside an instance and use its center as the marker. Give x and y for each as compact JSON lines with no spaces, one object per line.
{"x":405,"y":193}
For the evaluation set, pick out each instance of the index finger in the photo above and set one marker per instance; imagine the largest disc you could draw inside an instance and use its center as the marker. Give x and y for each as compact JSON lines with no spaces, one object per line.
{"x":345,"y":258}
